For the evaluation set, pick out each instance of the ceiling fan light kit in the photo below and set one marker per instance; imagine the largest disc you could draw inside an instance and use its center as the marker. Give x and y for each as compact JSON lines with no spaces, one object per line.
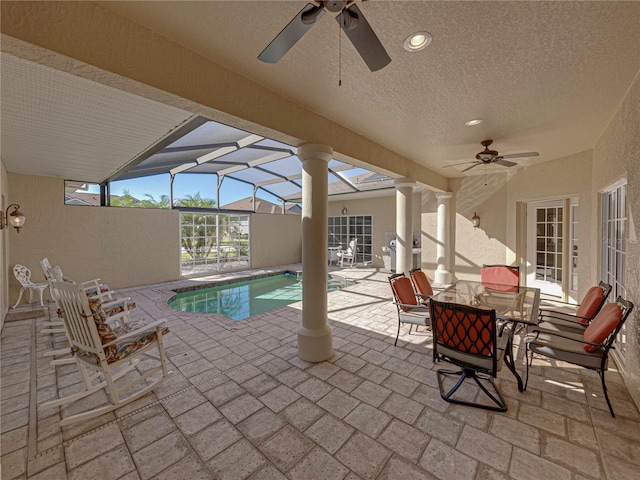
{"x":351,"y":21}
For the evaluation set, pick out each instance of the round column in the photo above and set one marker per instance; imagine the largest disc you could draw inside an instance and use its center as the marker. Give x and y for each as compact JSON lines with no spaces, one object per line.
{"x":314,"y":336}
{"x":443,"y":236}
{"x":404,"y":224}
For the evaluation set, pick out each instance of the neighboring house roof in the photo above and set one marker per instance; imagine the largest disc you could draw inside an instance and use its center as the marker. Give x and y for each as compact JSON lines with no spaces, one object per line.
{"x":78,"y":198}
{"x":262,"y":206}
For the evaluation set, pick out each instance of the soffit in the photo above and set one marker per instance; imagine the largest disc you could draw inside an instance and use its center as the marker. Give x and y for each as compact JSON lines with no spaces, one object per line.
{"x":61,"y":125}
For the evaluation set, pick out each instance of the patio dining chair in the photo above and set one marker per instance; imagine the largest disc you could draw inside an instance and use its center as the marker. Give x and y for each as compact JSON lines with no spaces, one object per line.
{"x":23,"y":275}
{"x":504,"y":278}
{"x":589,"y":349}
{"x":577,"y":320}
{"x":410,"y":309}
{"x":470,"y":338}
{"x":105,"y":355}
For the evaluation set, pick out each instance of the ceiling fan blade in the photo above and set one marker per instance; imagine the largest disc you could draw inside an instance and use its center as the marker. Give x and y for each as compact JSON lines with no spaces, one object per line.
{"x":293,"y":32}
{"x":521,"y":155}
{"x":472,"y":166}
{"x":363,"y":38}
{"x":461,"y":163}
{"x":504,"y":163}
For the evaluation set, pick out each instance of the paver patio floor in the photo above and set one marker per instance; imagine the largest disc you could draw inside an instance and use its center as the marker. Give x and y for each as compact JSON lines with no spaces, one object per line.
{"x":241,"y":404}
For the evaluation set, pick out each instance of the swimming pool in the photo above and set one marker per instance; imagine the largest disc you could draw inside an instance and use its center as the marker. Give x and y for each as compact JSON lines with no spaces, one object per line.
{"x":245,"y":299}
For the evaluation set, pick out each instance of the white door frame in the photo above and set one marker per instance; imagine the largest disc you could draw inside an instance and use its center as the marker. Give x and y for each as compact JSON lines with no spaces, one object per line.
{"x":553,"y":232}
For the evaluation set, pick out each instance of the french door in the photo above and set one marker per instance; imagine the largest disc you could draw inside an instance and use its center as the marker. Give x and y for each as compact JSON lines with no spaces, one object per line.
{"x":546,"y":247}
{"x":614,"y":223}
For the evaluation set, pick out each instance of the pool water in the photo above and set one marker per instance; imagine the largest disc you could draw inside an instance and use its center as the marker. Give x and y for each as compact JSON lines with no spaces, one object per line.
{"x":248,"y":298}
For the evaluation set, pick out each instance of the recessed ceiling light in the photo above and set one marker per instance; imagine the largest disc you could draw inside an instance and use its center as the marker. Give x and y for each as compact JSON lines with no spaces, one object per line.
{"x":475,"y":121}
{"x":417,"y":41}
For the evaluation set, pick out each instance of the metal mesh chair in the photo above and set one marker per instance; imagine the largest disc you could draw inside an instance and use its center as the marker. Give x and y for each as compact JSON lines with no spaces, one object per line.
{"x":470,"y":338}
{"x":578,"y":320}
{"x":410,"y":310}
{"x":589,"y":349}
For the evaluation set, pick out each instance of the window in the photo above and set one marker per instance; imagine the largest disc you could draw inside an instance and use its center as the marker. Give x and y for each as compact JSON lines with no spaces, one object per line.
{"x":573,"y":253}
{"x":614,"y":220}
{"x":213,"y":242}
{"x":343,"y":229}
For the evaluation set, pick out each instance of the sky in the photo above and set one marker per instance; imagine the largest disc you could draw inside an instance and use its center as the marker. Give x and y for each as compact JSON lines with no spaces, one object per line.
{"x":186,"y":184}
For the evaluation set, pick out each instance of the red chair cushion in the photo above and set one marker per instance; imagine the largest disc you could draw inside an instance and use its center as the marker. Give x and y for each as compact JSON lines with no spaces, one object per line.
{"x":404,"y":293}
{"x":421,"y":282}
{"x":590,"y":304}
{"x":500,"y":276}
{"x":602,"y":325}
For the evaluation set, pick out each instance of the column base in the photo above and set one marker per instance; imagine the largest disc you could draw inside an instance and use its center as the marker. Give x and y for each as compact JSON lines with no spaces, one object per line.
{"x":443,"y":277}
{"x":315,"y":345}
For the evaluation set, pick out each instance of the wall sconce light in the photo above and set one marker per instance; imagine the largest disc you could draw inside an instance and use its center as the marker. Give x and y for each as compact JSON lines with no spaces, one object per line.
{"x":15,"y":218}
{"x":344,"y":211}
{"x":475,"y":220}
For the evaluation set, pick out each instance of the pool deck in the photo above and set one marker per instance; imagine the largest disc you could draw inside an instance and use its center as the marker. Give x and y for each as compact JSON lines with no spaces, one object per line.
{"x":241,"y":404}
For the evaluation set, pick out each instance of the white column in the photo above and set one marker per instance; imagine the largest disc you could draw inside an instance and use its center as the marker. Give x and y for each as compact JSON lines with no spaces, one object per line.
{"x":443,"y":238}
{"x":314,"y":336}
{"x":404,"y":224}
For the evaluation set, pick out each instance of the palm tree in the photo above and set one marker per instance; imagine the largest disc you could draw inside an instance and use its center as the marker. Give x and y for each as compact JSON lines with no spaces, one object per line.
{"x":196,"y":239}
{"x":126,"y":200}
{"x":151,"y":202}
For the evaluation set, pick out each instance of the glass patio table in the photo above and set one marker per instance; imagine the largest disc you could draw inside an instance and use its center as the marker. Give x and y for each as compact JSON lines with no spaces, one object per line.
{"x":513,"y":305}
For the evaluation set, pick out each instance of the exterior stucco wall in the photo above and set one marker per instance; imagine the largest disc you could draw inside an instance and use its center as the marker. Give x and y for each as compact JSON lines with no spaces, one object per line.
{"x":122,"y":246}
{"x":617,"y":156}
{"x":557,"y":179}
{"x":383,"y":211}
{"x":275,"y":240}
{"x":472,"y":246}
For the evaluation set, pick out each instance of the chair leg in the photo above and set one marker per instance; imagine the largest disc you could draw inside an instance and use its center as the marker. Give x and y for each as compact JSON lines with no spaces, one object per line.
{"x":19,"y":297}
{"x":398,"y":335}
{"x":501,"y":404}
{"x":606,"y":395}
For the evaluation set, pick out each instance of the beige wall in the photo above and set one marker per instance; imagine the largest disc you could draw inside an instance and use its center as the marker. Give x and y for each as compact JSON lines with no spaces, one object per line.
{"x":124,"y":247}
{"x":275,"y":240}
{"x":617,"y":156}
{"x":562,"y":178}
{"x":472,"y":246}
{"x":383,"y":211}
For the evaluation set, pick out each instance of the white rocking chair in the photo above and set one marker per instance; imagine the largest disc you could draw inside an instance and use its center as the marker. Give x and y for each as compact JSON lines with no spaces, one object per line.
{"x":23,"y":275}
{"x":93,"y":287}
{"x":348,"y":256}
{"x":101,"y":350}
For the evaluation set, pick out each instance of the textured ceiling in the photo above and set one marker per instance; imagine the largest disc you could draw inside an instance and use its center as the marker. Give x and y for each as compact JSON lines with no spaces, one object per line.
{"x":544,"y":76}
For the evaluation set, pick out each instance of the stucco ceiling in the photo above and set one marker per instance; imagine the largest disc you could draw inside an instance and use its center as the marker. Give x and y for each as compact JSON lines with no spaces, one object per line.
{"x":543,"y":76}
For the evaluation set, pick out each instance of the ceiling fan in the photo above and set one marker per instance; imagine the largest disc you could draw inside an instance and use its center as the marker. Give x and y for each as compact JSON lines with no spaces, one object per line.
{"x":487,"y":156}
{"x":352,"y":22}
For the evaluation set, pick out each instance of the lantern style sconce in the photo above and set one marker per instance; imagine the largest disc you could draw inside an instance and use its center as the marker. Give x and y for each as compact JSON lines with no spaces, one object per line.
{"x":475,"y":220}
{"x":344,"y":211}
{"x":15,"y":218}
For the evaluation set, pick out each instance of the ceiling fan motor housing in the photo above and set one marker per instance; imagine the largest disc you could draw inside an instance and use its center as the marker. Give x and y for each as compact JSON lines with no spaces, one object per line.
{"x":334,"y":6}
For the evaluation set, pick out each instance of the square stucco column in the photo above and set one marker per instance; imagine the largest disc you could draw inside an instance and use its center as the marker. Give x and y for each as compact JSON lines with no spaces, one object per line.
{"x":444,"y":246}
{"x":404,"y":224}
{"x":315,"y":343}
